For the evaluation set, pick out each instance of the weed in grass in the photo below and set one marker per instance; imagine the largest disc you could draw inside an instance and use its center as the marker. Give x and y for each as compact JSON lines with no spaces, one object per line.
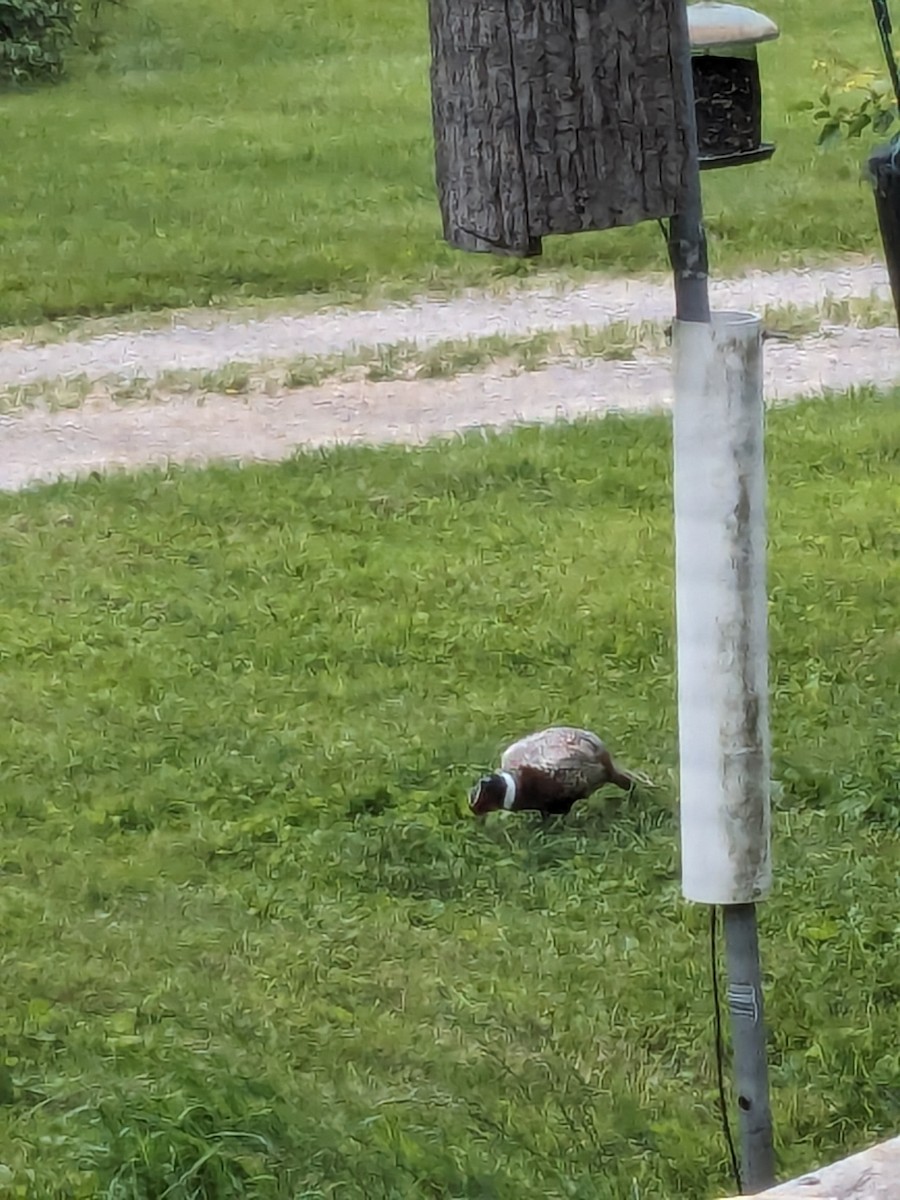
{"x":254,"y":945}
{"x":450,"y":358}
{"x":800,"y":321}
{"x":233,"y":379}
{"x":53,"y":394}
{"x":388,"y":362}
{"x":306,"y":372}
{"x":139,"y":390}
{"x":533,"y":352}
{"x":618,"y":340}
{"x":866,"y":312}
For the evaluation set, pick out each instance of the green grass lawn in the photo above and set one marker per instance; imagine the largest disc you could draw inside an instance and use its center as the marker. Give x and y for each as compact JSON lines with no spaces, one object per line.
{"x":223,"y":149}
{"x":252,"y":942}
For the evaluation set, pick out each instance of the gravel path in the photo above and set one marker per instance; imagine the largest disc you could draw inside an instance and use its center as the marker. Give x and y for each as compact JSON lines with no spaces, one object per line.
{"x":41,"y":446}
{"x":425,"y":322}
{"x":38,"y":445}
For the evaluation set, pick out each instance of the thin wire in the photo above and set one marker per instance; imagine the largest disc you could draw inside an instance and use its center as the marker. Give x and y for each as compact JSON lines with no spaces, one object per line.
{"x":885,"y":29}
{"x":720,"y":1046}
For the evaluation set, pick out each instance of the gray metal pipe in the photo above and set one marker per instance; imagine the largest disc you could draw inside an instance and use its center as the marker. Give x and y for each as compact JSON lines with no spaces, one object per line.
{"x":687,"y":235}
{"x":748,"y":1031}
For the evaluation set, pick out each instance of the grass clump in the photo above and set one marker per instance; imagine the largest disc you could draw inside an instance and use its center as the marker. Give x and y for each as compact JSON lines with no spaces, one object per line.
{"x":253,"y":944}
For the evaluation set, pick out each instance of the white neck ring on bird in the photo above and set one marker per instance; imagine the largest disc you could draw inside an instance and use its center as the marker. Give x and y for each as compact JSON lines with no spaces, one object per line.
{"x":510,"y":798}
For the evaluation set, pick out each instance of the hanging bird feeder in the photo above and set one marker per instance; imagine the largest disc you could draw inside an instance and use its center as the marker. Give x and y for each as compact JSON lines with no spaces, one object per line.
{"x":727,"y":90}
{"x":554,"y":118}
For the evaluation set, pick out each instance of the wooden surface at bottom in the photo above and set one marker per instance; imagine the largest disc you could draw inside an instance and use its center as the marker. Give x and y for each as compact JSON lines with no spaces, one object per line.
{"x":873,"y":1174}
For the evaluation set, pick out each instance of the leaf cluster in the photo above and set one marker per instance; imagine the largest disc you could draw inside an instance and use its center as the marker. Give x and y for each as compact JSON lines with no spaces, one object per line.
{"x":35,"y":36}
{"x":851,"y":103}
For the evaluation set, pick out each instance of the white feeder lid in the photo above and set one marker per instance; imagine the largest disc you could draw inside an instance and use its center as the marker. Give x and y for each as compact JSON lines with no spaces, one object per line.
{"x":712,"y":24}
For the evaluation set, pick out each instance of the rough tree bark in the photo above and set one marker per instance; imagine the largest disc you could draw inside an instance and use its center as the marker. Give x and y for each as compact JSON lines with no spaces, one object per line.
{"x":556,"y":116}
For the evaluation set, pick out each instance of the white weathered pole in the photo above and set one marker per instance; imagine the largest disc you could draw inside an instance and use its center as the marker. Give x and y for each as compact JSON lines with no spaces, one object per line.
{"x":720,"y":556}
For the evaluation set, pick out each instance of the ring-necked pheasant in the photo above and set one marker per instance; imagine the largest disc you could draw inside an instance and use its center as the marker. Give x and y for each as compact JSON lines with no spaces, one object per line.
{"x":547,"y":772}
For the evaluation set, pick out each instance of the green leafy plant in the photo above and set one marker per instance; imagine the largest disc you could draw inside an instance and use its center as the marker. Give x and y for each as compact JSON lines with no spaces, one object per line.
{"x":33,"y":37}
{"x":852,"y":102}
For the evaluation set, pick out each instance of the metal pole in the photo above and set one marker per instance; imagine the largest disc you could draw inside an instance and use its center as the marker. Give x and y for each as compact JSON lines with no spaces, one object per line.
{"x":885,"y":29}
{"x":748,"y":1031}
{"x":687,"y":235}
{"x":687,"y":254}
{"x":694,"y":391}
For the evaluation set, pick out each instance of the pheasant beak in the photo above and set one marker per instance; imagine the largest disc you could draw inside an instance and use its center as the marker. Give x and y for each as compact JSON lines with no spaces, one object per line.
{"x":476,"y":800}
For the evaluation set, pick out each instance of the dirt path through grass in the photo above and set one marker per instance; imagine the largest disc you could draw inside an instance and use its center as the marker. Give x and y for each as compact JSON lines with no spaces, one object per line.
{"x":41,"y":445}
{"x":202,"y":340}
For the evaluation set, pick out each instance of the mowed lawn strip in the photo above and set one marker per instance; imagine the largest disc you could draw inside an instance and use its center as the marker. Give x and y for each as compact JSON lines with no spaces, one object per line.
{"x":253,"y":943}
{"x":223,"y":150}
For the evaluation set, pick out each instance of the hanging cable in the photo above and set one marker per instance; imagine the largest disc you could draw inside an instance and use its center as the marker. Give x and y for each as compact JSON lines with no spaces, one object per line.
{"x":885,"y":29}
{"x":720,"y":1046}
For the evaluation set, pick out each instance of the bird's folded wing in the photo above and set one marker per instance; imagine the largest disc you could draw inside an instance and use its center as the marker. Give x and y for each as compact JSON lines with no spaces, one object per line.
{"x":554,"y":750}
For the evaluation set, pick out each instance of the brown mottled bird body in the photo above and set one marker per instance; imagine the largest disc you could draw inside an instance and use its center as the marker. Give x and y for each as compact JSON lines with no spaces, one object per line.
{"x":548,"y":772}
